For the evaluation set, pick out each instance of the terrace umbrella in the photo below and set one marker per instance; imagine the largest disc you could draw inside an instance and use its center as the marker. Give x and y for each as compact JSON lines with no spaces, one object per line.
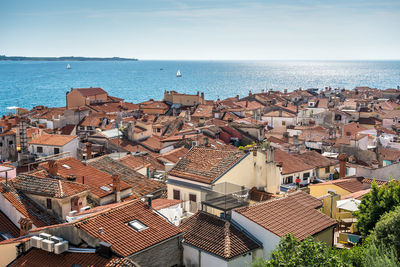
{"x":348,"y":204}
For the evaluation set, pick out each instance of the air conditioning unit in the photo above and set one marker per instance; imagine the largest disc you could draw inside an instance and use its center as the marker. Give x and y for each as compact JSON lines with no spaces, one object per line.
{"x":48,"y":245}
{"x":56,"y":239}
{"x":36,"y":242}
{"x":61,"y":247}
{"x":45,"y":236}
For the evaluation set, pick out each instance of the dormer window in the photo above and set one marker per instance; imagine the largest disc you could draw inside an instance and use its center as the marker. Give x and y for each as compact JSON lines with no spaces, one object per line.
{"x":137,"y":225}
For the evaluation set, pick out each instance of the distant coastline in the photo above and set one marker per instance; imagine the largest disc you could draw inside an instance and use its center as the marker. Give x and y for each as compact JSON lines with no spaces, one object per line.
{"x":20,"y":58}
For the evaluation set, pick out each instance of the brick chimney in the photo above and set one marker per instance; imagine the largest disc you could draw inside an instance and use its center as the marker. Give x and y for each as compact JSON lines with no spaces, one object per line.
{"x":117,"y":187}
{"x":342,"y":165}
{"x":88,"y":150}
{"x":25,"y":226}
{"x":53,"y":168}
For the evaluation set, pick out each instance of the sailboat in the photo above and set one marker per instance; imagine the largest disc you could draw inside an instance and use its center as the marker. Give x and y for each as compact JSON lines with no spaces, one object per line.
{"x":68,"y":66}
{"x":178,"y":74}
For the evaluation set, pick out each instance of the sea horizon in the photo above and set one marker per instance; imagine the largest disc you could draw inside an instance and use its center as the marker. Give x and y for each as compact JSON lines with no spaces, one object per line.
{"x":30,"y":83}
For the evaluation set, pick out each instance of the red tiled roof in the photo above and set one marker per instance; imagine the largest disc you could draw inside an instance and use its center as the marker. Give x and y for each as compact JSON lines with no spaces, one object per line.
{"x":124,"y":240}
{"x":217,"y":236}
{"x":27,"y":207}
{"x":93,"y":177}
{"x":47,"y":186}
{"x":38,"y":258}
{"x":52,"y":140}
{"x":90,"y":91}
{"x":6,"y":225}
{"x":141,"y":185}
{"x":315,"y":159}
{"x":162,"y":203}
{"x":138,"y":162}
{"x":290,"y":163}
{"x":174,"y":155}
{"x":205,"y":165}
{"x":294,"y":213}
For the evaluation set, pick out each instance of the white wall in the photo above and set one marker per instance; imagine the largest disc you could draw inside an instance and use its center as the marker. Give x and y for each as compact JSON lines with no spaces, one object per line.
{"x":268,"y":239}
{"x":173,"y":213}
{"x":191,"y":258}
{"x":49,"y":150}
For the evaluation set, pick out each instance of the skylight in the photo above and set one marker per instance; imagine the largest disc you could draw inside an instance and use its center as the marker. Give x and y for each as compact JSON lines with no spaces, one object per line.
{"x":66,"y":166}
{"x":105,"y":188}
{"x":137,"y":225}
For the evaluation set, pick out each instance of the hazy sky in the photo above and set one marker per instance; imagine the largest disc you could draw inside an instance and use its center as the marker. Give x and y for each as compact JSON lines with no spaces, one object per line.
{"x":203,"y":29}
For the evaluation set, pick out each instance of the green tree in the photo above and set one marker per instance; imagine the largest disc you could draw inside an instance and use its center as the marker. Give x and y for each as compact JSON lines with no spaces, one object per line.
{"x":387,"y":230}
{"x":376,"y":203}
{"x":291,"y":252}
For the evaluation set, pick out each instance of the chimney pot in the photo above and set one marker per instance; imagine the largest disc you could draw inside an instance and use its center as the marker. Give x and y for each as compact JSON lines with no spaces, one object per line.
{"x":149,"y":199}
{"x":88,"y":150}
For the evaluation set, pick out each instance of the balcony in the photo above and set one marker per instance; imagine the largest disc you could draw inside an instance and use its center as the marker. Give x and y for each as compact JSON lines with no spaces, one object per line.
{"x":226,"y":196}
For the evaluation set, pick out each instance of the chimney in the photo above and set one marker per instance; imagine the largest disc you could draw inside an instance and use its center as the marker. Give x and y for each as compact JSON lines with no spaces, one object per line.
{"x":237,"y":97}
{"x":88,"y":150}
{"x":342,"y":165}
{"x":149,"y":199}
{"x":247,"y":103}
{"x":53,"y":168}
{"x":285,"y":91}
{"x":25,"y":226}
{"x":202,"y":95}
{"x":250,"y":93}
{"x":117,"y":187}
{"x":280,"y":113}
{"x":270,"y":154}
{"x":205,"y":141}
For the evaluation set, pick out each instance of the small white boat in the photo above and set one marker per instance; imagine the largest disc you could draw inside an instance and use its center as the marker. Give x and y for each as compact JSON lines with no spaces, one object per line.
{"x":178,"y":73}
{"x":68,"y":66}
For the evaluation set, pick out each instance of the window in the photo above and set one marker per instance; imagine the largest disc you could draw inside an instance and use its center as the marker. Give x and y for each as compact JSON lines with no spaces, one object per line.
{"x":177,"y":194}
{"x":1,"y":144}
{"x":283,"y":123}
{"x":306,"y":176}
{"x":289,"y":180}
{"x":137,"y":225}
{"x":192,"y":197}
{"x":56,"y":150}
{"x":327,"y":169}
{"x":39,"y":149}
{"x":10,"y":142}
{"x":48,"y":203}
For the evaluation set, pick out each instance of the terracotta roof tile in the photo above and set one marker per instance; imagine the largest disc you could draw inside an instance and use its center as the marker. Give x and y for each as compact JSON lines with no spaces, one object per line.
{"x":290,"y":163}
{"x":315,"y":159}
{"x":6,"y":225}
{"x":94,"y":178}
{"x":27,"y":207}
{"x":174,"y":155}
{"x":47,"y":186}
{"x":124,"y":240}
{"x":216,"y":236}
{"x":90,"y":91}
{"x":205,"y":165}
{"x":141,"y":185}
{"x":52,"y":140}
{"x":162,"y":203}
{"x":38,"y":258}
{"x":294,"y":213}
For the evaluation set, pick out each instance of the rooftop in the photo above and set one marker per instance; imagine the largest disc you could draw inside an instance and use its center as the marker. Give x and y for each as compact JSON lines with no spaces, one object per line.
{"x":52,"y":140}
{"x":217,"y":236}
{"x":296,"y":213}
{"x":205,"y":165}
{"x":90,"y":91}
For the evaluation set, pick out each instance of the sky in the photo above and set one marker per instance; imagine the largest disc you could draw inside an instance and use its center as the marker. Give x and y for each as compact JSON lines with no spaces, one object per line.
{"x":202,"y":29}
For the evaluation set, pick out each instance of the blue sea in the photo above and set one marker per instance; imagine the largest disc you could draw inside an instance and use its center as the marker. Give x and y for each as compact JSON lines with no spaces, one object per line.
{"x":27,"y":84}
